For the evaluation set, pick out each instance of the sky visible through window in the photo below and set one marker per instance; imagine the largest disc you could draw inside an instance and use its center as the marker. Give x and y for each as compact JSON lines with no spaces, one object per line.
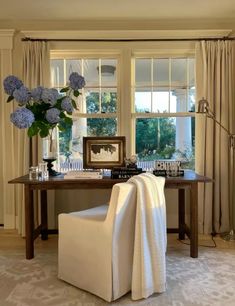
{"x":160,"y":102}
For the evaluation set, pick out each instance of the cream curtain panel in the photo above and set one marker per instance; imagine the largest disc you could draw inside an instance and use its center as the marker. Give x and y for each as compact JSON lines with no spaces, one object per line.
{"x":36,"y":71}
{"x":215,"y":72}
{"x":14,"y":149}
{"x":8,"y":154}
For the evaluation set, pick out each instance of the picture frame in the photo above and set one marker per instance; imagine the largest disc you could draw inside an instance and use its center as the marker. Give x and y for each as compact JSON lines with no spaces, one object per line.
{"x":104,"y":152}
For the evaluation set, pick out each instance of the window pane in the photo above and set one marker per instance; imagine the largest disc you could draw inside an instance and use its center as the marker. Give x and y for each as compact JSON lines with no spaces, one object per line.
{"x":108,"y":72}
{"x":143,"y":72}
{"x":101,"y":126}
{"x":180,"y":95}
{"x":178,"y":72}
{"x":91,"y":72}
{"x":108,"y":101}
{"x":161,"y":72}
{"x":73,"y":65}
{"x":191,"y":71}
{"x":191,"y":98}
{"x":57,"y":73}
{"x":143,"y":100}
{"x":166,"y":138}
{"x":92,"y":101}
{"x":71,"y":140}
{"x":160,"y":101}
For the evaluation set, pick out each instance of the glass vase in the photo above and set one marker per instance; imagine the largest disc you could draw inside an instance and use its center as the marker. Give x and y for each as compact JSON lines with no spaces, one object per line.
{"x":50,"y":152}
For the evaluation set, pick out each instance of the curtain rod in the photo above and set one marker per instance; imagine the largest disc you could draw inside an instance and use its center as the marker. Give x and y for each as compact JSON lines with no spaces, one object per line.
{"x":125,"y":40}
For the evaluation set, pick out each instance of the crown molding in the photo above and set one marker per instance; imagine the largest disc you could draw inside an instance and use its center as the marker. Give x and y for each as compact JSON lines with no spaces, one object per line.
{"x":6,"y":38}
{"x":127,"y":34}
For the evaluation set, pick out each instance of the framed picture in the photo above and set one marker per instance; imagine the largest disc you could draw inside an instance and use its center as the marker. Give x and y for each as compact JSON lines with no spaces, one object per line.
{"x":104,"y":152}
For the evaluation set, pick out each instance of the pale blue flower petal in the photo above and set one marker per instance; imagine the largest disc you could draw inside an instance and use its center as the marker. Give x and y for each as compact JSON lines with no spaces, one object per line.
{"x":11,"y":83}
{"x":76,"y":81}
{"x":67,"y":105}
{"x":22,"y":95}
{"x":50,"y":96}
{"x":53,"y":115}
{"x":22,"y":118}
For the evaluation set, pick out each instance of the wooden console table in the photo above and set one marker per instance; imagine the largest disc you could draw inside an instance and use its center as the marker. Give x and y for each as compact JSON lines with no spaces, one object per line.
{"x":190,"y":181}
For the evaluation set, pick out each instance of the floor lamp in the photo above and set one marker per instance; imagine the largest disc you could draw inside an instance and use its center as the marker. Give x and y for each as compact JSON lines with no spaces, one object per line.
{"x":203,"y":108}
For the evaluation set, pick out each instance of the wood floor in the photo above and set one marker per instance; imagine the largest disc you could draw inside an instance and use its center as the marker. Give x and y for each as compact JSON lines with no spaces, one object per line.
{"x":11,"y":240}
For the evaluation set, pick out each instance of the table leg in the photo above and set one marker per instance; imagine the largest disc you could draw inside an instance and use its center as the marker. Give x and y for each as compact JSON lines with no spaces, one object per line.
{"x":44,"y":233}
{"x":194,"y":220}
{"x":181,"y":213}
{"x":29,"y":222}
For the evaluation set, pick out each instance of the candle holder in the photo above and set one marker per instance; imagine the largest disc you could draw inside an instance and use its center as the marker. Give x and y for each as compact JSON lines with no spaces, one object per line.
{"x":49,"y":161}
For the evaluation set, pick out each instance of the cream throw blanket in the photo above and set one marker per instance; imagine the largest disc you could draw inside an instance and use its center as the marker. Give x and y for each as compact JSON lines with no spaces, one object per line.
{"x":149,"y":265}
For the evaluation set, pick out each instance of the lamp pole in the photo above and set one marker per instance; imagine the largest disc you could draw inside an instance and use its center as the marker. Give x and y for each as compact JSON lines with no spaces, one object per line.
{"x":203,"y":108}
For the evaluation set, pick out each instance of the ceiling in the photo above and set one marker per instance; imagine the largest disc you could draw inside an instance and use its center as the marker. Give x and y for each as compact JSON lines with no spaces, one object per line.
{"x":117,"y":9}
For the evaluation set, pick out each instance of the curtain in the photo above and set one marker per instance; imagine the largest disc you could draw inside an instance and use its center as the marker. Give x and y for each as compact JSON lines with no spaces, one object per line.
{"x":7,"y":152}
{"x":36,"y":71}
{"x":215,"y":70}
{"x":36,"y":63}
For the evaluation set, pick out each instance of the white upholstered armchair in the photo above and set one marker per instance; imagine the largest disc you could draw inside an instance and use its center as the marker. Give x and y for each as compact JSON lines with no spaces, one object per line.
{"x":96,"y":245}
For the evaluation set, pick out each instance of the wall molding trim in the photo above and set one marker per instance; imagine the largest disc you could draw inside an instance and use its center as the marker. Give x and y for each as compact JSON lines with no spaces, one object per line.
{"x":6,"y":39}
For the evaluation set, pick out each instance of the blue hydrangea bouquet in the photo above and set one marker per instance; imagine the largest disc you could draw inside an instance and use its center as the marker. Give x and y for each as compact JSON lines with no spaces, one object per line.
{"x":42,"y":109}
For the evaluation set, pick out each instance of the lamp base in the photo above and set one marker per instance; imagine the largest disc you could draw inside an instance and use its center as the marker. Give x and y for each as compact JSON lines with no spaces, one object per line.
{"x":51,"y":171}
{"x":228,"y":236}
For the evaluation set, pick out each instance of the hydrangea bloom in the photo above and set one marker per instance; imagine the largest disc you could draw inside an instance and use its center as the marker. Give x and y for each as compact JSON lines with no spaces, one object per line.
{"x":52,"y":115}
{"x":36,"y":93}
{"x":22,"y":95}
{"x":50,"y":96}
{"x":22,"y":118}
{"x":11,"y":83}
{"x":76,"y":81}
{"x":42,"y":109}
{"x":67,"y":105}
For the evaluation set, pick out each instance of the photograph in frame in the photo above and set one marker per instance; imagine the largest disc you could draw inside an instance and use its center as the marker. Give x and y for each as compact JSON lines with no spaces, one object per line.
{"x":103,"y":152}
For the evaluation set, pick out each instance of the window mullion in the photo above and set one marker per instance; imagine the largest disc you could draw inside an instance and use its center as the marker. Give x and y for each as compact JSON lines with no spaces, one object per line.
{"x":100,"y":92}
{"x":151,"y":84}
{"x":169,"y":80}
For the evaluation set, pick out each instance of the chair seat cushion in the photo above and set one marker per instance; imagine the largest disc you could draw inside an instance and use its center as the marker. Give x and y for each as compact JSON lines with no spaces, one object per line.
{"x":97,"y":213}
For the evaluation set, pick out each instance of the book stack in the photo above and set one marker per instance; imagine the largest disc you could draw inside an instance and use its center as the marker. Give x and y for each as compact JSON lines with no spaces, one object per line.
{"x":74,"y":175}
{"x":168,"y":168}
{"x":124,"y":172}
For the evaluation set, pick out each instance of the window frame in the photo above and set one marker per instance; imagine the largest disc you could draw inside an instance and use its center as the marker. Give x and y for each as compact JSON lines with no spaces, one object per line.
{"x":92,"y":55}
{"x":124,"y":52}
{"x":149,"y":115}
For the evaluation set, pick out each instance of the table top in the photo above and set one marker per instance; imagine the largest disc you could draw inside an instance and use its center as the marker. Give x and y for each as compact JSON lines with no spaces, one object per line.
{"x":57,"y":182}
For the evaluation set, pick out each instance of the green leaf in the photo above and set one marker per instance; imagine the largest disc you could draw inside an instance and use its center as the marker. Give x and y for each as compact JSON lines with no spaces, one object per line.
{"x":33,"y":130}
{"x":76,"y":93}
{"x":62,"y":115}
{"x":68,"y":121}
{"x":10,"y":98}
{"x":74,"y":104}
{"x":44,"y":132}
{"x":65,"y":89}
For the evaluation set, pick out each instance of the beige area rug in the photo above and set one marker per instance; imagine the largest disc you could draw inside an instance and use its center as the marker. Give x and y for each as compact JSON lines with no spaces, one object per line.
{"x":208,"y":280}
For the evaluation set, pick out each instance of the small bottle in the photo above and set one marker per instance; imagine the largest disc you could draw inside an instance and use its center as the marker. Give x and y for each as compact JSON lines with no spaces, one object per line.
{"x":33,"y":173}
{"x":43,"y":170}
